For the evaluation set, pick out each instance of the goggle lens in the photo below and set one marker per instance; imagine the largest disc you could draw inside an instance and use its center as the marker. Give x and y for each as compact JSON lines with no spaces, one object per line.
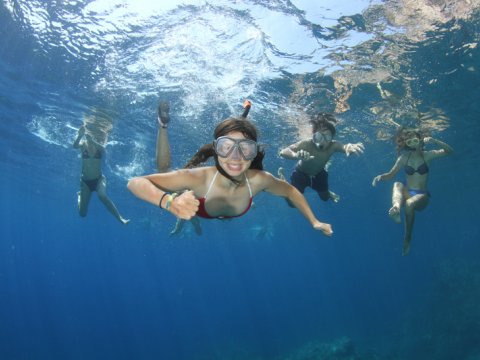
{"x":320,"y":137}
{"x":225,"y":146}
{"x":412,"y":141}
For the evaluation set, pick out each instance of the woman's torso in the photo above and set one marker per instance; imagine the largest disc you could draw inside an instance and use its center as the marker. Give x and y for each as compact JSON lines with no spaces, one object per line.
{"x":416,"y":170}
{"x":221,"y":197}
{"x":91,"y":161}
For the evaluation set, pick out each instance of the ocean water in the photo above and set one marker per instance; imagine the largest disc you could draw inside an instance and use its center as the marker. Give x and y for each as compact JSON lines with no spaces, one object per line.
{"x":264,"y":286}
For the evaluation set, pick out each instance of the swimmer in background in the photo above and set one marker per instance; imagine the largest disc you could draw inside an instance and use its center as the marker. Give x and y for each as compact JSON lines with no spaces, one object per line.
{"x":414,"y":194}
{"x":92,"y":152}
{"x":313,"y":155}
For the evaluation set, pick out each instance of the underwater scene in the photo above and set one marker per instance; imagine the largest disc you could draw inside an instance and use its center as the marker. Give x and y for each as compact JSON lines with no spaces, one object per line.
{"x":370,"y":108}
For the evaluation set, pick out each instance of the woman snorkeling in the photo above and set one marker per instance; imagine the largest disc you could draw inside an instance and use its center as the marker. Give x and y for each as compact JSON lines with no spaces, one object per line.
{"x":414,"y":194}
{"x":93,"y":151}
{"x":225,"y":190}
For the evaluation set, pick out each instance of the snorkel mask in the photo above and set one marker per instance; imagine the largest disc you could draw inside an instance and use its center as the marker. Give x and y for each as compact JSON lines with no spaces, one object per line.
{"x":322,"y":138}
{"x":412,"y":142}
{"x":225,"y":146}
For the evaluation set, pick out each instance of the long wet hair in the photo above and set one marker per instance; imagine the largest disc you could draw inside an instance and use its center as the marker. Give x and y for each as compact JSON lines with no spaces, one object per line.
{"x":227,"y":126}
{"x":323,"y":121}
{"x":406,"y":133}
{"x":98,"y":125}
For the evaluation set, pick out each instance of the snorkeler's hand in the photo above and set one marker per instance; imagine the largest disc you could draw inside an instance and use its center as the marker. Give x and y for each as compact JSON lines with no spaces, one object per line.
{"x":303,"y":155}
{"x":357,"y":149}
{"x":428,"y":140}
{"x":376,"y":179}
{"x":323,"y":227}
{"x":184,"y":206}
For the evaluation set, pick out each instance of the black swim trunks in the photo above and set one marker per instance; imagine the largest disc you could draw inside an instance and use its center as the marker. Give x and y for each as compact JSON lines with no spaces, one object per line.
{"x":319,"y":182}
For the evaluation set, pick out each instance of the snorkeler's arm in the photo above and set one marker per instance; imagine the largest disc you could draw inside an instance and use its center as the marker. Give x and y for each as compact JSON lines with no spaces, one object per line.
{"x":389,"y":175}
{"x":282,"y":188}
{"x":292,"y":152}
{"x":80,"y":133}
{"x":347,"y":149}
{"x":155,"y":189}
{"x":444,"y":150}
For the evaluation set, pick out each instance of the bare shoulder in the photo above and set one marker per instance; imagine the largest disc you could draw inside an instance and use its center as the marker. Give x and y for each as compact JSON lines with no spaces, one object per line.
{"x":197,"y":174}
{"x":258,"y":175}
{"x":260,"y":178}
{"x":181,"y":179}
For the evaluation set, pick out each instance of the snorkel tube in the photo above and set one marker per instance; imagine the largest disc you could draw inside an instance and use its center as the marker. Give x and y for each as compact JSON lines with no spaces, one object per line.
{"x":247,"y":104}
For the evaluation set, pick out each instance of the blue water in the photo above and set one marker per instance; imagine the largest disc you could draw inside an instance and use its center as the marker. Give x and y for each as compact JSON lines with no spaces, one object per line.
{"x":266,"y":285}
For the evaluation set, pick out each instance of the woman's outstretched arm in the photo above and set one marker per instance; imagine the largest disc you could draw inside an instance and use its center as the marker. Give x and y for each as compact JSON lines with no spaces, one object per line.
{"x":282,"y":188}
{"x":389,"y":175}
{"x":155,"y":189}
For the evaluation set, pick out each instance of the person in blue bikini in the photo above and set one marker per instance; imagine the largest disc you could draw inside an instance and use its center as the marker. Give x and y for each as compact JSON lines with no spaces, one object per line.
{"x":225,"y":190}
{"x":414,"y":160}
{"x":92,"y":178}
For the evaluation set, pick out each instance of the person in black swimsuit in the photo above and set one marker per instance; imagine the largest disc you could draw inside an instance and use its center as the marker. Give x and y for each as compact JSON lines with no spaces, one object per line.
{"x":92,"y":178}
{"x":414,"y":194}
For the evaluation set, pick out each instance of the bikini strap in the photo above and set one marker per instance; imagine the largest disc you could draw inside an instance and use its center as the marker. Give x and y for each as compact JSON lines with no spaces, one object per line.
{"x":214,"y":178}
{"x":211,"y":184}
{"x":248,"y":184}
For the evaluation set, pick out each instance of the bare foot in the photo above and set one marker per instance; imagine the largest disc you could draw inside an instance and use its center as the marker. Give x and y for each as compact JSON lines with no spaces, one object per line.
{"x":163,"y":113}
{"x":406,"y":248}
{"x":335,"y":198}
{"x":124,"y":221}
{"x":394,"y":213}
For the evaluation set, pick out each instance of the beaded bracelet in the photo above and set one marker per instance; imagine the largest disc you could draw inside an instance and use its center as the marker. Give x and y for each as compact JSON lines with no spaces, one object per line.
{"x":170,"y":200}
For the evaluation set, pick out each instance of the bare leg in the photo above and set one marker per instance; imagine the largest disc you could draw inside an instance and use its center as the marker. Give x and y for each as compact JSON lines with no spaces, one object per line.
{"x":417,"y":202}
{"x":164,"y":159}
{"x":83,"y":199}
{"x":397,"y":200}
{"x":163,"y":145}
{"x":102,"y":195}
